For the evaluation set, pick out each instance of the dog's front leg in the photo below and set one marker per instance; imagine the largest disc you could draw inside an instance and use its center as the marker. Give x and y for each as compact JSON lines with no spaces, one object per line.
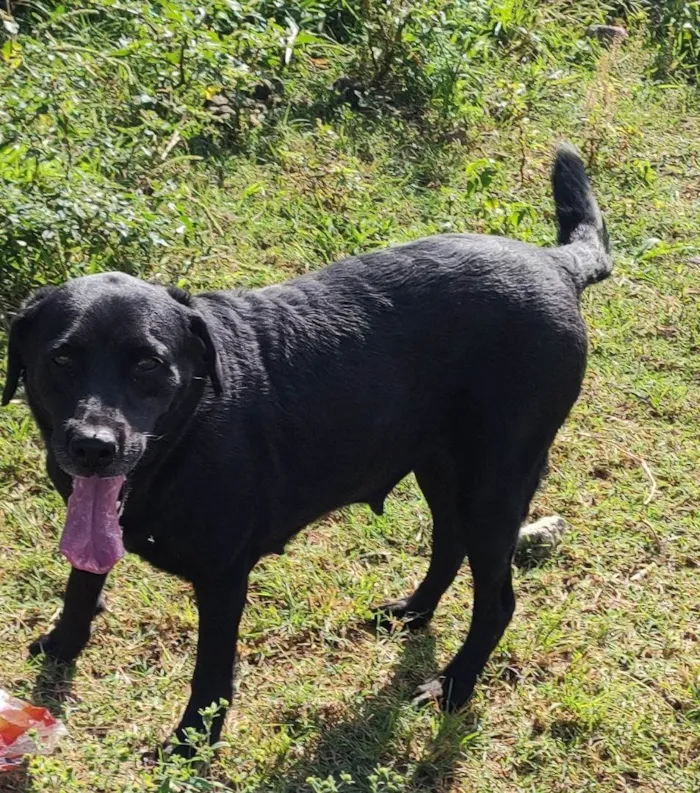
{"x":72,"y":631}
{"x":220,"y":601}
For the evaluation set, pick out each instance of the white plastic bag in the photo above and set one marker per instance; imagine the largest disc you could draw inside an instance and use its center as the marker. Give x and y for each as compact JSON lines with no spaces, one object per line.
{"x":17,"y":720}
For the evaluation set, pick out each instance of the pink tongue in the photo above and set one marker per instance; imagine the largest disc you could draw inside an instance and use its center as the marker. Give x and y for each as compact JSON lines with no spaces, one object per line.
{"x":92,"y":537}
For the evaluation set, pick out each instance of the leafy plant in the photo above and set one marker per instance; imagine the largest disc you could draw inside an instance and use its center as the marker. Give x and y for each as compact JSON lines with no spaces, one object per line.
{"x":676,"y":28}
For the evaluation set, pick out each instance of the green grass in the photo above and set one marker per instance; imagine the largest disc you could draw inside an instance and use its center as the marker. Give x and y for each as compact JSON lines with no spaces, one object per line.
{"x":596,"y":685}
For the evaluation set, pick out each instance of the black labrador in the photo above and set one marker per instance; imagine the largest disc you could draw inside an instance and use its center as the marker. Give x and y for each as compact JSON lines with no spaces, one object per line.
{"x":203,"y":432}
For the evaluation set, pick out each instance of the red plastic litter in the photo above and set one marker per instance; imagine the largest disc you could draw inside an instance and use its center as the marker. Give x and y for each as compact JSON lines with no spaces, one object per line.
{"x":17,"y":719}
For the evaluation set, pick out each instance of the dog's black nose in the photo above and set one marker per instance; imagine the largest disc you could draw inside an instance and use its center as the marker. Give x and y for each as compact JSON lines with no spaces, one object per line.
{"x":93,"y":451}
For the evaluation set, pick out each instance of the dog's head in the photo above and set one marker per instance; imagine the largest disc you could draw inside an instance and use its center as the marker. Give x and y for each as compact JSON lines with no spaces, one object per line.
{"x":103,"y":358}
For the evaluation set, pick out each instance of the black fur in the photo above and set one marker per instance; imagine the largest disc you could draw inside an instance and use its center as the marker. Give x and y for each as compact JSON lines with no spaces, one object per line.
{"x":579,"y":218}
{"x":456,"y":357}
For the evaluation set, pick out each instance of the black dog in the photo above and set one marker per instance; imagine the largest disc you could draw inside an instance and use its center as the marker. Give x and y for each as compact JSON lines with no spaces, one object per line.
{"x":227,"y":421}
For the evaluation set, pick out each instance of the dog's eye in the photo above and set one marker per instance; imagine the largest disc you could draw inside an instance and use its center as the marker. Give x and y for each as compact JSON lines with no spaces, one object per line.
{"x":61,"y":359}
{"x":147,"y":364}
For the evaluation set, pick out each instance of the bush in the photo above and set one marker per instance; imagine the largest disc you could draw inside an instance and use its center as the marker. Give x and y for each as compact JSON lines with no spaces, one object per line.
{"x":673,"y":28}
{"x":676,"y":29}
{"x":98,"y":101}
{"x":108,"y":110}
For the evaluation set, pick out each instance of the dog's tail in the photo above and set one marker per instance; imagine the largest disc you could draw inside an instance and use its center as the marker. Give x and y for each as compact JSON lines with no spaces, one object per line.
{"x":579,"y":218}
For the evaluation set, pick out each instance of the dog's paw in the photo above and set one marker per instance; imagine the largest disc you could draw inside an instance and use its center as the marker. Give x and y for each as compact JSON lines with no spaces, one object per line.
{"x":427,"y":693}
{"x":175,"y":747}
{"x":401,"y":610}
{"x":167,"y":751}
{"x":190,"y":744}
{"x":444,"y":691}
{"x":58,"y":645}
{"x":151,"y":757}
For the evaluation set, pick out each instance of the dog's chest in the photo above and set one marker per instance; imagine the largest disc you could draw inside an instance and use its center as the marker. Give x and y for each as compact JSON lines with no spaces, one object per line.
{"x":181,"y":545}
{"x":157,"y":548}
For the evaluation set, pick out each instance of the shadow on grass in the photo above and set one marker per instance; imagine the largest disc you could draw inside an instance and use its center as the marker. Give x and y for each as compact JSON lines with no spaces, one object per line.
{"x":15,"y":781}
{"x":368,"y":738}
{"x":54,"y":685}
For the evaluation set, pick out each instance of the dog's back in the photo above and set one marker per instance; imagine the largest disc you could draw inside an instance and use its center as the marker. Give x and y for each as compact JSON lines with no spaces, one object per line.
{"x":443,"y":301}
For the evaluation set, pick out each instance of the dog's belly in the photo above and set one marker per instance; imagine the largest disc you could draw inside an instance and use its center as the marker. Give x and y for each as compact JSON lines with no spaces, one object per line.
{"x":176,"y":534}
{"x":374,"y":497}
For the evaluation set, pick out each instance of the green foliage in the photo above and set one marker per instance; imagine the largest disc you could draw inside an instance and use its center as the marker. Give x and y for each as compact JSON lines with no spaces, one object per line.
{"x":676,"y":28}
{"x":102,"y":103}
{"x":107,"y":107}
{"x":673,"y":27}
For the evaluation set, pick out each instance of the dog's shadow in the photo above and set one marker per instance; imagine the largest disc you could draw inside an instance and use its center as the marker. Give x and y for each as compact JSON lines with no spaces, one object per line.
{"x":53,"y":687}
{"x":368,"y":739}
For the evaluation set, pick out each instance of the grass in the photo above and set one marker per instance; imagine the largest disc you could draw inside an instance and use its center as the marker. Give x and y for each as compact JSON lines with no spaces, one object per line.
{"x":596,"y":684}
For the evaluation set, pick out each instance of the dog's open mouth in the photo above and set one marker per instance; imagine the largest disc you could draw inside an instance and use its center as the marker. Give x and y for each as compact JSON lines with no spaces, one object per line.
{"x":92,"y":537}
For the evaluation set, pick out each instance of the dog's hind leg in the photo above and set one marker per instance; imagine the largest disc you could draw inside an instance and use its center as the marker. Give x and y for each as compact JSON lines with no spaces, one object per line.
{"x":436,"y":478}
{"x":490,"y":515}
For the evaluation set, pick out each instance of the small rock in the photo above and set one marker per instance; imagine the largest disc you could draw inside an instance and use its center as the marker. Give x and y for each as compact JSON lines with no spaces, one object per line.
{"x":607,"y":34}
{"x":218,"y":100}
{"x":219,"y":107}
{"x":537,"y":540}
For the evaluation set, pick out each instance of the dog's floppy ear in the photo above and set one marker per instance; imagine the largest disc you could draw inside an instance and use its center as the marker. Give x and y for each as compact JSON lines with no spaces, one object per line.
{"x":18,"y":330}
{"x":200,"y":329}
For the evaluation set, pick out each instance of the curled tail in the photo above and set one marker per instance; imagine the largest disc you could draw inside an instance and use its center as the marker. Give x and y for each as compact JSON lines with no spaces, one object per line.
{"x":578,"y":217}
